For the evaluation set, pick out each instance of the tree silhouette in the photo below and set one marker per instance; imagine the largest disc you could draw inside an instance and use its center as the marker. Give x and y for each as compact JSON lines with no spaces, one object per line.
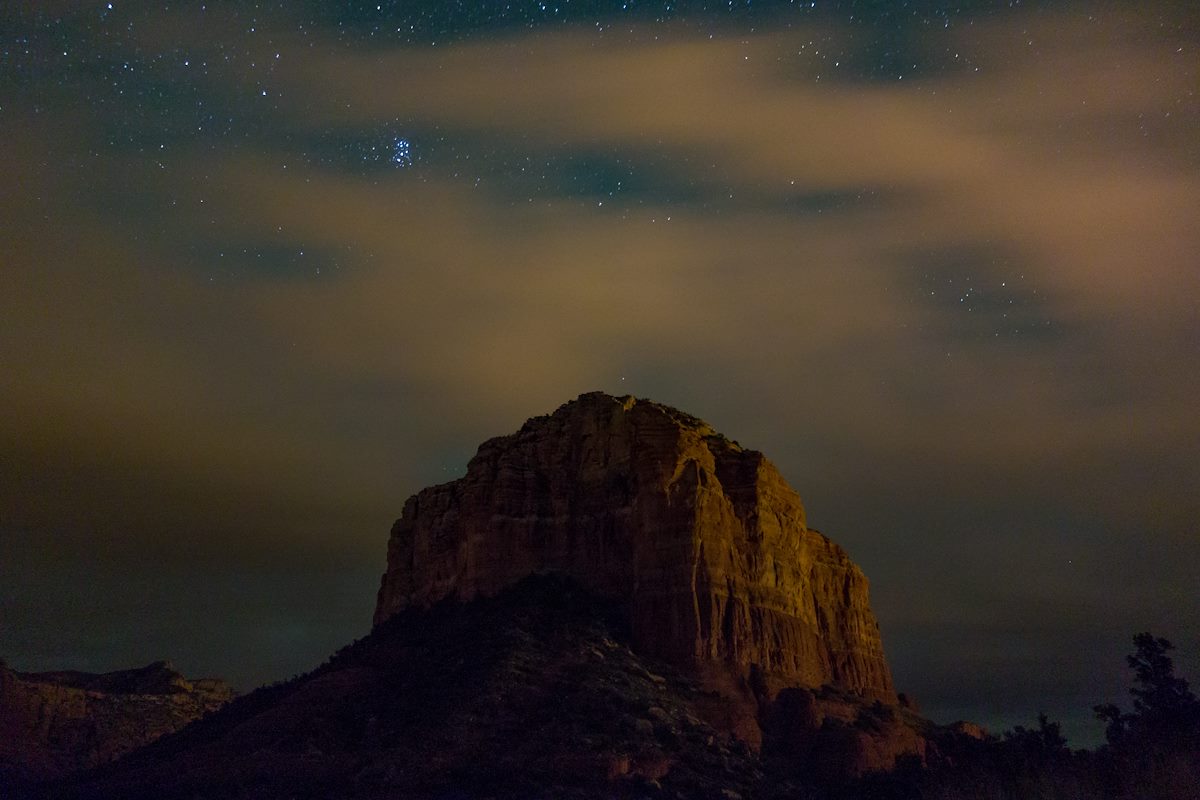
{"x":1163,"y":705}
{"x":1153,"y":752}
{"x":1045,"y":741}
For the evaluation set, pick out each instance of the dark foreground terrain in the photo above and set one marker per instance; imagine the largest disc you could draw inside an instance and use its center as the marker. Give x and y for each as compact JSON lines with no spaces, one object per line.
{"x":531,"y":694}
{"x":535,"y":694}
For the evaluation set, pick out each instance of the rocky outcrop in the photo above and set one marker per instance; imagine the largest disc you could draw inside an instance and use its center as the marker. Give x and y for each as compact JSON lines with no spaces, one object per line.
{"x":54,"y":723}
{"x":699,"y":541}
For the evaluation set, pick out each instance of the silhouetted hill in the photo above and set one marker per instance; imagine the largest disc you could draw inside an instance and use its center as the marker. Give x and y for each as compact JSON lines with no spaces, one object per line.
{"x":532,"y":693}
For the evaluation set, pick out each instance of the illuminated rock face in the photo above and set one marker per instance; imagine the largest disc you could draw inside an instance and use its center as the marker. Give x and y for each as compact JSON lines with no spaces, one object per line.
{"x":701,"y":542}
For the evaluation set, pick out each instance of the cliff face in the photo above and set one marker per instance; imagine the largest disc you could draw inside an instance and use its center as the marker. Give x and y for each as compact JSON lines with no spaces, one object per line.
{"x":701,"y":543}
{"x":54,"y":723}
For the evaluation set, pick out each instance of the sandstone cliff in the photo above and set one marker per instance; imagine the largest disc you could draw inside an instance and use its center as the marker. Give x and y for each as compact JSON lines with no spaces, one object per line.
{"x":701,"y":543}
{"x":54,"y":723}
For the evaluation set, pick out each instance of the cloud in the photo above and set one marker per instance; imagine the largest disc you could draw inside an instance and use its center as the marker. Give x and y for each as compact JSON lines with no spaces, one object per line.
{"x":985,"y":166}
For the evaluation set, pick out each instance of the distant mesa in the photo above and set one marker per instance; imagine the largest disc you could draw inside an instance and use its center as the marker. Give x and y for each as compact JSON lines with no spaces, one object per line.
{"x":55,"y":723}
{"x":701,"y":543}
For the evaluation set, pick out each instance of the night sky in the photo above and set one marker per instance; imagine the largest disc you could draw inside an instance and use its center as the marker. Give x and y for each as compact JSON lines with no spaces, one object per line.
{"x":267,"y":269}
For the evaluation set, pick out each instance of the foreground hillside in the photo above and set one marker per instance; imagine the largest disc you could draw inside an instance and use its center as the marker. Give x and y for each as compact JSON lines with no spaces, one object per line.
{"x":534,"y":693}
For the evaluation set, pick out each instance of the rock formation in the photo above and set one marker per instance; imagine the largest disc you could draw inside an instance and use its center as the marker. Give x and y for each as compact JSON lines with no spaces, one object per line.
{"x":54,"y":723}
{"x":701,"y":543}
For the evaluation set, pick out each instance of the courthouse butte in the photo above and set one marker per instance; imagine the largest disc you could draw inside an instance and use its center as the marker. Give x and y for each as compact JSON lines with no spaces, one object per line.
{"x":699,"y":541}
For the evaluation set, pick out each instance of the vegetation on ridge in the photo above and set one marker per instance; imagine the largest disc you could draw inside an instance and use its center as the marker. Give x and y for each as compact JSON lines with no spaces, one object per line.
{"x":1152,"y":752}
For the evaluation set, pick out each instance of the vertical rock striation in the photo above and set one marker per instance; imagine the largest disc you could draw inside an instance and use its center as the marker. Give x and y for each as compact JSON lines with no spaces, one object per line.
{"x":700,"y":541}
